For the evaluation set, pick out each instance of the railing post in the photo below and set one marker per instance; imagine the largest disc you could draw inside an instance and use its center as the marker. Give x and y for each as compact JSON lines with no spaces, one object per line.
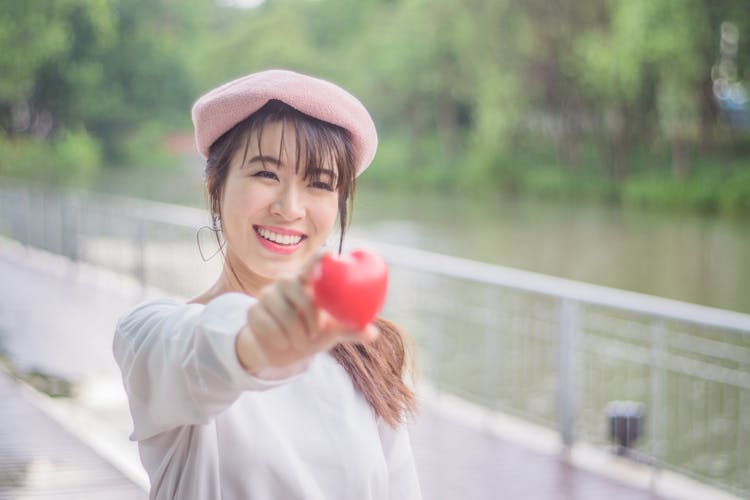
{"x":436,"y":327}
{"x":743,"y":454}
{"x":491,"y":363}
{"x":26,"y":218}
{"x":43,"y":204}
{"x":70,"y":227}
{"x":568,"y":369}
{"x":656,"y":409}
{"x":140,"y":258}
{"x":436,"y":352}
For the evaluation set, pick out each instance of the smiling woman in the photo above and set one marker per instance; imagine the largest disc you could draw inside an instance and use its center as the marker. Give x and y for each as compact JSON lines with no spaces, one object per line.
{"x":250,"y":390}
{"x":272,"y":214}
{"x":281,"y":165}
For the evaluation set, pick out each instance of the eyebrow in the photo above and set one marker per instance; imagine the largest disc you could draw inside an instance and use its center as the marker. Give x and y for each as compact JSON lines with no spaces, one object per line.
{"x":320,"y":172}
{"x":265,"y":159}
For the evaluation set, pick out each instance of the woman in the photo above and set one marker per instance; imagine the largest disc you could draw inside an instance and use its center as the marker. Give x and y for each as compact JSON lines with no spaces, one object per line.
{"x":249,"y":390}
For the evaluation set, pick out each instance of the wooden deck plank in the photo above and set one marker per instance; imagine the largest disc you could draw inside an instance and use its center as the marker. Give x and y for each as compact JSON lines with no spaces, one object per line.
{"x":42,"y":460}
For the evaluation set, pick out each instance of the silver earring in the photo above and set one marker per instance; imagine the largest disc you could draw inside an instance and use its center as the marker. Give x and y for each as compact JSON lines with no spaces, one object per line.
{"x":204,"y":230}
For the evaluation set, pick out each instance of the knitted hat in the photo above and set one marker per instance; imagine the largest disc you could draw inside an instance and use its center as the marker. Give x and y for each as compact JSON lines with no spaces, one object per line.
{"x":222,"y":108}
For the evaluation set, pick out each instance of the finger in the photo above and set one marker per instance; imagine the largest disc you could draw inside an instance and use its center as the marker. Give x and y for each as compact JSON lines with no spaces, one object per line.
{"x":307,"y":271}
{"x":290,"y":322}
{"x":290,"y":310}
{"x":301,"y":300}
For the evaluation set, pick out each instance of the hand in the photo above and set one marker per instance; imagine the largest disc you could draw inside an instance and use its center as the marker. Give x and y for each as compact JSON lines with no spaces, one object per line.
{"x":285,"y":329}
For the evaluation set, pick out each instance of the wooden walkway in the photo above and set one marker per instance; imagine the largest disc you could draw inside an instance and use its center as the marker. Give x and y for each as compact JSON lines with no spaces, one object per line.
{"x":59,"y":319}
{"x":40,"y":459}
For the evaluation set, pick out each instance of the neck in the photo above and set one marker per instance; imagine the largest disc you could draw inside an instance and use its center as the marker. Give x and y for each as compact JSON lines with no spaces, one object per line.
{"x":235,"y":277}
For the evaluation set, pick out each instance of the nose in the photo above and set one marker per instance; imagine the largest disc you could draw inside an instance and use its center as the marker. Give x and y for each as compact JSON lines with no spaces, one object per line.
{"x":288,"y":203}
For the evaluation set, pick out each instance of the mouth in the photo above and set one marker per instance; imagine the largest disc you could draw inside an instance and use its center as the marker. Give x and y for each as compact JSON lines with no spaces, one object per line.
{"x":286,"y":238}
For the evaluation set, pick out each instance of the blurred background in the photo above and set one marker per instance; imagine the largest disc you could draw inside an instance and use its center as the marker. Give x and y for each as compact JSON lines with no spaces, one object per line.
{"x":573,"y":138}
{"x":606,"y":143}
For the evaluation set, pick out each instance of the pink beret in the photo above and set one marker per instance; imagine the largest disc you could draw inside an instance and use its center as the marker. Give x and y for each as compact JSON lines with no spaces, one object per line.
{"x":222,"y":108}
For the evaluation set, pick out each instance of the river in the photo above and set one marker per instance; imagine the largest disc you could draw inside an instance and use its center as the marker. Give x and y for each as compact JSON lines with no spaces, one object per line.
{"x":695,"y":258}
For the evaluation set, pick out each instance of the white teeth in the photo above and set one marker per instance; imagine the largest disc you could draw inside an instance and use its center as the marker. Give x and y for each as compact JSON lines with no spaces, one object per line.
{"x":281,"y":239}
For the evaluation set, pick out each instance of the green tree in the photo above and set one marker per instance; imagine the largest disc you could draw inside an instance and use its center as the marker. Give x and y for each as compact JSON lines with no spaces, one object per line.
{"x":35,"y":97}
{"x":273,"y":35}
{"x":418,"y":66}
{"x":648,"y":65}
{"x":107,"y":68}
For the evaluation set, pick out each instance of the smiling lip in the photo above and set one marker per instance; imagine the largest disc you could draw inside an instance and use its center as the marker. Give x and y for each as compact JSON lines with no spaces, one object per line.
{"x":278,"y":239}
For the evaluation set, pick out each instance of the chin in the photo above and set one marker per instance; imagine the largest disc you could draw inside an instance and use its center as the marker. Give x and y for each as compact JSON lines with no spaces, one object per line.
{"x":273,"y":271}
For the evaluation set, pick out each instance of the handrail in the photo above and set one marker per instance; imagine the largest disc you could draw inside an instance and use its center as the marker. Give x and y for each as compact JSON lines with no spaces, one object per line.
{"x":491,"y":274}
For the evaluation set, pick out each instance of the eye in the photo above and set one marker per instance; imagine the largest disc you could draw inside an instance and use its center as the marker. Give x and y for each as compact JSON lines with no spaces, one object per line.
{"x":321,"y":185}
{"x":266,"y":174}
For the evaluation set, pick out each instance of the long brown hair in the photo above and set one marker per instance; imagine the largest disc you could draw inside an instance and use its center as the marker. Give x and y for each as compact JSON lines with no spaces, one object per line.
{"x":376,"y":369}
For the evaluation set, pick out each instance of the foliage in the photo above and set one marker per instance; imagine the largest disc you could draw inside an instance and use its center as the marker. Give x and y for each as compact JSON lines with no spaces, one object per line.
{"x":69,"y":159}
{"x":710,"y":190}
{"x":101,"y":66}
{"x":734,"y":196}
{"x":577,"y":98}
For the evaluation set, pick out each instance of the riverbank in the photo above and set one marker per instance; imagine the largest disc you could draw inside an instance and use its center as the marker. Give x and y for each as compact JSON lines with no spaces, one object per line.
{"x":714,"y":186}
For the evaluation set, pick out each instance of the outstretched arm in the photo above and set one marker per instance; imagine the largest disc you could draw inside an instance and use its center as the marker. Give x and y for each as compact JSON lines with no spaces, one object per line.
{"x":179,"y":364}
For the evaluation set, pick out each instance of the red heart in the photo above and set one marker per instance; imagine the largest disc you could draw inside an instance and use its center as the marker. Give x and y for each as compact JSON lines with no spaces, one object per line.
{"x":351,"y":287}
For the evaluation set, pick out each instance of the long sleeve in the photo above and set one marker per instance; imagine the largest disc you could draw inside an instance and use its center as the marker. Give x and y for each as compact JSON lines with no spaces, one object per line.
{"x":403,"y":482}
{"x":179,"y":364}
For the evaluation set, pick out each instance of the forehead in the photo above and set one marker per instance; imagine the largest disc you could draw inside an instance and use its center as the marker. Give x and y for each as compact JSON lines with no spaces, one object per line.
{"x":273,"y":138}
{"x":283,"y":141}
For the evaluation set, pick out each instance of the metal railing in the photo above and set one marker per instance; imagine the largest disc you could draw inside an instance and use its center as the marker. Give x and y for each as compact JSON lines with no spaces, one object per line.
{"x":549,"y":350}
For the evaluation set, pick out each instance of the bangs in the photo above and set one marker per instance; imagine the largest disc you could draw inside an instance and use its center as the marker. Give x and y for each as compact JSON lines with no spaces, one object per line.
{"x":324,"y":150}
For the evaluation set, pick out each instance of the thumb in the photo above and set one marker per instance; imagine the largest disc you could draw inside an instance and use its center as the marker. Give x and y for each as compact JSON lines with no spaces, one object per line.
{"x":308,"y":269}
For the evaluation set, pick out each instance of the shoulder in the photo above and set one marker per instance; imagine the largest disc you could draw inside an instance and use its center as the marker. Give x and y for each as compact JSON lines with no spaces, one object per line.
{"x":152,"y":310}
{"x":168,"y":311}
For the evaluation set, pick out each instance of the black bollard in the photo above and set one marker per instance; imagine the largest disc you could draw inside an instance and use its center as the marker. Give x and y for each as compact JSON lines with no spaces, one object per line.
{"x":626,"y":420}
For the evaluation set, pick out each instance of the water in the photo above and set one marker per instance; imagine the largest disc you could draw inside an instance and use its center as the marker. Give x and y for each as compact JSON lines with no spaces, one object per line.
{"x":695,"y":258}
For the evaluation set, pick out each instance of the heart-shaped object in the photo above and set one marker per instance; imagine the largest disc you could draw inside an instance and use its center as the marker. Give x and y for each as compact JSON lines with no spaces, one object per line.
{"x":351,"y":287}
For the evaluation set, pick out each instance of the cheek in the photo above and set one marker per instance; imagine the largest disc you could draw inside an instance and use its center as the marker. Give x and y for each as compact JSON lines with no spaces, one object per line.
{"x":326,"y":215}
{"x":242,"y":198}
{"x":234,"y":207}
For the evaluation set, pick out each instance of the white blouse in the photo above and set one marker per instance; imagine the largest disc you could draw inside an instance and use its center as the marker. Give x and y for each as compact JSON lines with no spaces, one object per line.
{"x":207,"y":429}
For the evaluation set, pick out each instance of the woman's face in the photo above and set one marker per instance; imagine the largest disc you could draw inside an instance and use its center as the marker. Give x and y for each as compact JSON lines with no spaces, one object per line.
{"x":273,"y":219}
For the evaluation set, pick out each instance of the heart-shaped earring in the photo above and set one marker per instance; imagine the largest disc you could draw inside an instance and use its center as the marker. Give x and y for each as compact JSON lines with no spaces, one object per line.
{"x":208,"y":237}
